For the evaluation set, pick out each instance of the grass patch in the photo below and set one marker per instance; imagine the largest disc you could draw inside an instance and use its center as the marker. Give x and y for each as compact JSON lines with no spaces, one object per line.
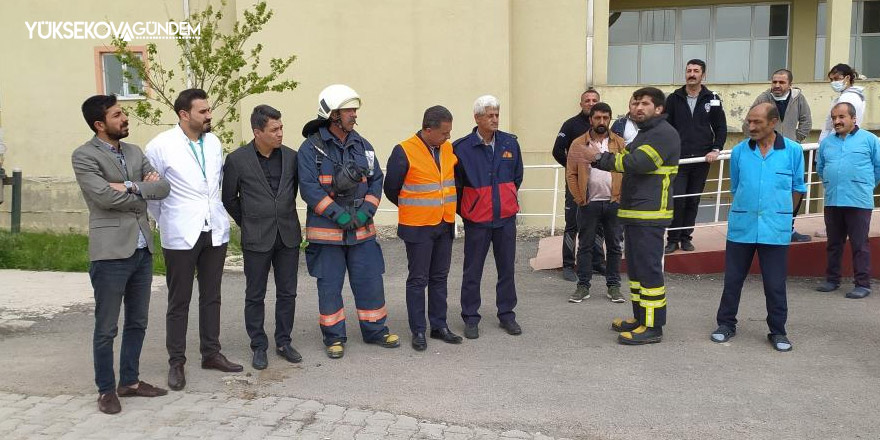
{"x":69,"y":252}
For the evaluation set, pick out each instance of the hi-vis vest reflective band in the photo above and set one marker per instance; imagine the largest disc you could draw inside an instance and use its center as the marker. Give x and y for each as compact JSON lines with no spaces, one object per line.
{"x":428,"y":194}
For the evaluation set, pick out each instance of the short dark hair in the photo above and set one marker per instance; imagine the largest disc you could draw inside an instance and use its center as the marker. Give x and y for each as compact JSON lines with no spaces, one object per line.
{"x":600,"y":107}
{"x":786,"y":72}
{"x":656,"y":95}
{"x":697,"y":62}
{"x":592,"y":90}
{"x":851,"y":109}
{"x":261,"y":115}
{"x":845,"y":70}
{"x":95,"y":109}
{"x":436,"y":115}
{"x":185,"y":99}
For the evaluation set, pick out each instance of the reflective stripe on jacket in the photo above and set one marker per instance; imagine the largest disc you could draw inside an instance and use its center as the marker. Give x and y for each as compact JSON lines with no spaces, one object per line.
{"x":428,"y":194}
{"x":649,"y":165}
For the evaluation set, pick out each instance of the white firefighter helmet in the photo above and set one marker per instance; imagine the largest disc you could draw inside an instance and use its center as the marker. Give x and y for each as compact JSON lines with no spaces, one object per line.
{"x":337,"y":97}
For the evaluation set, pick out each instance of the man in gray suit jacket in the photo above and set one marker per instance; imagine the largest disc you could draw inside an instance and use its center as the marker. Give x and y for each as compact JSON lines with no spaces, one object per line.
{"x":116,"y":180}
{"x":259,"y":192}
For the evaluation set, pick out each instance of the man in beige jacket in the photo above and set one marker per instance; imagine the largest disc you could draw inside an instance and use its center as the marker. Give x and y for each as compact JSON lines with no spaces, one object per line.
{"x":597,"y":194}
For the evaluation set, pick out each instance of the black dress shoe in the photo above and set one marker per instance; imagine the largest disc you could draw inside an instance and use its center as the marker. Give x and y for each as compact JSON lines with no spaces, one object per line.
{"x":219,"y":362}
{"x":176,"y":377}
{"x":687,"y":246}
{"x":261,"y":361}
{"x":511,"y":327}
{"x":290,"y":354}
{"x":445,"y":335}
{"x":471,"y":331}
{"x":418,"y":342}
{"x":670,"y":247}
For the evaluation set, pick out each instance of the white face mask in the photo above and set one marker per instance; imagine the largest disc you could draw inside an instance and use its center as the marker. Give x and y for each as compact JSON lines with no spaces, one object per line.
{"x":781,"y":98}
{"x":838,"y":86}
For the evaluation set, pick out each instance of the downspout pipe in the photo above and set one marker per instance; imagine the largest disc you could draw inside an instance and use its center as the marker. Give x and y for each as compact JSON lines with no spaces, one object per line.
{"x":590,"y":19}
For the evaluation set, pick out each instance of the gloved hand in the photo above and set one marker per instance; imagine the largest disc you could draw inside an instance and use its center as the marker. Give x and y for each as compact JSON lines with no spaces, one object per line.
{"x":346,"y":220}
{"x":361,"y":218}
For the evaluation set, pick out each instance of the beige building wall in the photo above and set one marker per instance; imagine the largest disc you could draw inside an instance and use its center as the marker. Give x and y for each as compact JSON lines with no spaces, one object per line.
{"x":402,"y":56}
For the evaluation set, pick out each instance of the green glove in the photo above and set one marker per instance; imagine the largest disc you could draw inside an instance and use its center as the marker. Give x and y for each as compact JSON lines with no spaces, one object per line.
{"x":361,"y":218}
{"x":344,"y":219}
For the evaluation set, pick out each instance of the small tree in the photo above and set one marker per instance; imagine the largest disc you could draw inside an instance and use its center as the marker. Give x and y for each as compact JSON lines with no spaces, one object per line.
{"x":215,"y":62}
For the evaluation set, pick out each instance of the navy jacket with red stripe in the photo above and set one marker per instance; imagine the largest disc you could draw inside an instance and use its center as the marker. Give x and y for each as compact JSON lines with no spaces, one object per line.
{"x":488,"y":181}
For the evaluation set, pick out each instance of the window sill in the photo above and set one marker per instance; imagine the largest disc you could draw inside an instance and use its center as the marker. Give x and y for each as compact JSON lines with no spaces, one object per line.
{"x":131,"y":98}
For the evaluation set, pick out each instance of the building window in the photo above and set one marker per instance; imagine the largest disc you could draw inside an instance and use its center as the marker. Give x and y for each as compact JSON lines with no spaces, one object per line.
{"x":739,"y":43}
{"x":864,"y":41}
{"x":111,"y":77}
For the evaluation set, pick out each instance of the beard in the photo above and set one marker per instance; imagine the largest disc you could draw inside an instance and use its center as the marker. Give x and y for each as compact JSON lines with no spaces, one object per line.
{"x":116,"y":135}
{"x":601,"y":129}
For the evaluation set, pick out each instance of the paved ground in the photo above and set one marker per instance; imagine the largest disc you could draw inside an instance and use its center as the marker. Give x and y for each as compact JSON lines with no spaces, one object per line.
{"x":564,"y":377}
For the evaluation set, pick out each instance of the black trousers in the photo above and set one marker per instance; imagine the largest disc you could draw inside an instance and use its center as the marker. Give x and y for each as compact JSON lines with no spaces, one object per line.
{"x":285,"y":264}
{"x":182,"y":265}
{"x":691,"y":179}
{"x":841,"y":222}
{"x":773,"y":260}
{"x":591,"y":217}
{"x":429,"y":262}
{"x":644,"y":264}
{"x":569,"y":237}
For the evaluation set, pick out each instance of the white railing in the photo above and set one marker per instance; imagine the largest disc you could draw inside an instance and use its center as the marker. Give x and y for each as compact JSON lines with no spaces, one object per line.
{"x":811,"y":196}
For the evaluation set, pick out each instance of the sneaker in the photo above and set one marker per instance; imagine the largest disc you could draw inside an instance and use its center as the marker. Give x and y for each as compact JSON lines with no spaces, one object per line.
{"x":779,"y":342}
{"x":687,"y":245}
{"x":624,"y":325}
{"x":511,"y":327}
{"x":641,"y":335}
{"x":581,"y":293}
{"x":670,"y":247}
{"x":827,"y":286}
{"x":722,"y":334}
{"x":614,"y":294}
{"x":568,"y":274}
{"x":797,"y":237}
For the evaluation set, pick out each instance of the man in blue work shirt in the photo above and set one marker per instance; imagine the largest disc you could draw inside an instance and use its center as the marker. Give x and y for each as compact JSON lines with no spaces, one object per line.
{"x":766,"y":181}
{"x":849,"y":166}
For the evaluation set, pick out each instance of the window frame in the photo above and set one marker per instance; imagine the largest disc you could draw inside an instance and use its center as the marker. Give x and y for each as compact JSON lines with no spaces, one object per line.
{"x":855,"y":38}
{"x":100,"y":82}
{"x":709,"y":42}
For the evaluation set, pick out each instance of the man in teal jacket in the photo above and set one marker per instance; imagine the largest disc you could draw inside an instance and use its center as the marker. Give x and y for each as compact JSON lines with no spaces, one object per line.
{"x":766,"y":181}
{"x":849,"y":166}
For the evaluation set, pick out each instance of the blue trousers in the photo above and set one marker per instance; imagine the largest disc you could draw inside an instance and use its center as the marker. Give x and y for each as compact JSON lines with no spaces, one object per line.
{"x":773,"y":260}
{"x":117,"y":283}
{"x":365,"y":266}
{"x":429,"y":262}
{"x":476,"y":246}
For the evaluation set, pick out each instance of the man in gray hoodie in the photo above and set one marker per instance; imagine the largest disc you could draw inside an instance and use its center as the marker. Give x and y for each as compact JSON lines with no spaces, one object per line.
{"x":794,"y":118}
{"x":794,"y":112}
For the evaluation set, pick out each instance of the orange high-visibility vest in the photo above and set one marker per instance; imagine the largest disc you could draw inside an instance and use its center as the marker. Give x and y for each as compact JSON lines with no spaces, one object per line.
{"x":428,"y":194}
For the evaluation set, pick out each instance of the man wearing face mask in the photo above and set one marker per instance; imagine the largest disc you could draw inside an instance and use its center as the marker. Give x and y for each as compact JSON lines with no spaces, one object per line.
{"x":795,"y":120}
{"x":341,"y":182}
{"x":597,"y":194}
{"x":842,"y":78}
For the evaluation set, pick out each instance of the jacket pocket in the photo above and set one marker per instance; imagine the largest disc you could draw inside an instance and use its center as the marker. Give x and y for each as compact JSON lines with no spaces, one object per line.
{"x":509,"y":202}
{"x":476,"y":204}
{"x":783,"y":180}
{"x":103,"y":223}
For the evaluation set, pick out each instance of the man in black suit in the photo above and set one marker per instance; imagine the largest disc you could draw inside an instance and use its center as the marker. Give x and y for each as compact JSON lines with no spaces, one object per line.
{"x":259,"y":192}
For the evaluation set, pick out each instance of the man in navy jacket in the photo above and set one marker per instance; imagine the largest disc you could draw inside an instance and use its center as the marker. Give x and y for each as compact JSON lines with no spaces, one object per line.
{"x":487,"y":178}
{"x":697,"y":114}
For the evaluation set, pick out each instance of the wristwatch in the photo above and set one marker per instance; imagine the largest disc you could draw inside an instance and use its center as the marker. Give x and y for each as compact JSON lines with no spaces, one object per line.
{"x":129,"y":187}
{"x":597,"y":157}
